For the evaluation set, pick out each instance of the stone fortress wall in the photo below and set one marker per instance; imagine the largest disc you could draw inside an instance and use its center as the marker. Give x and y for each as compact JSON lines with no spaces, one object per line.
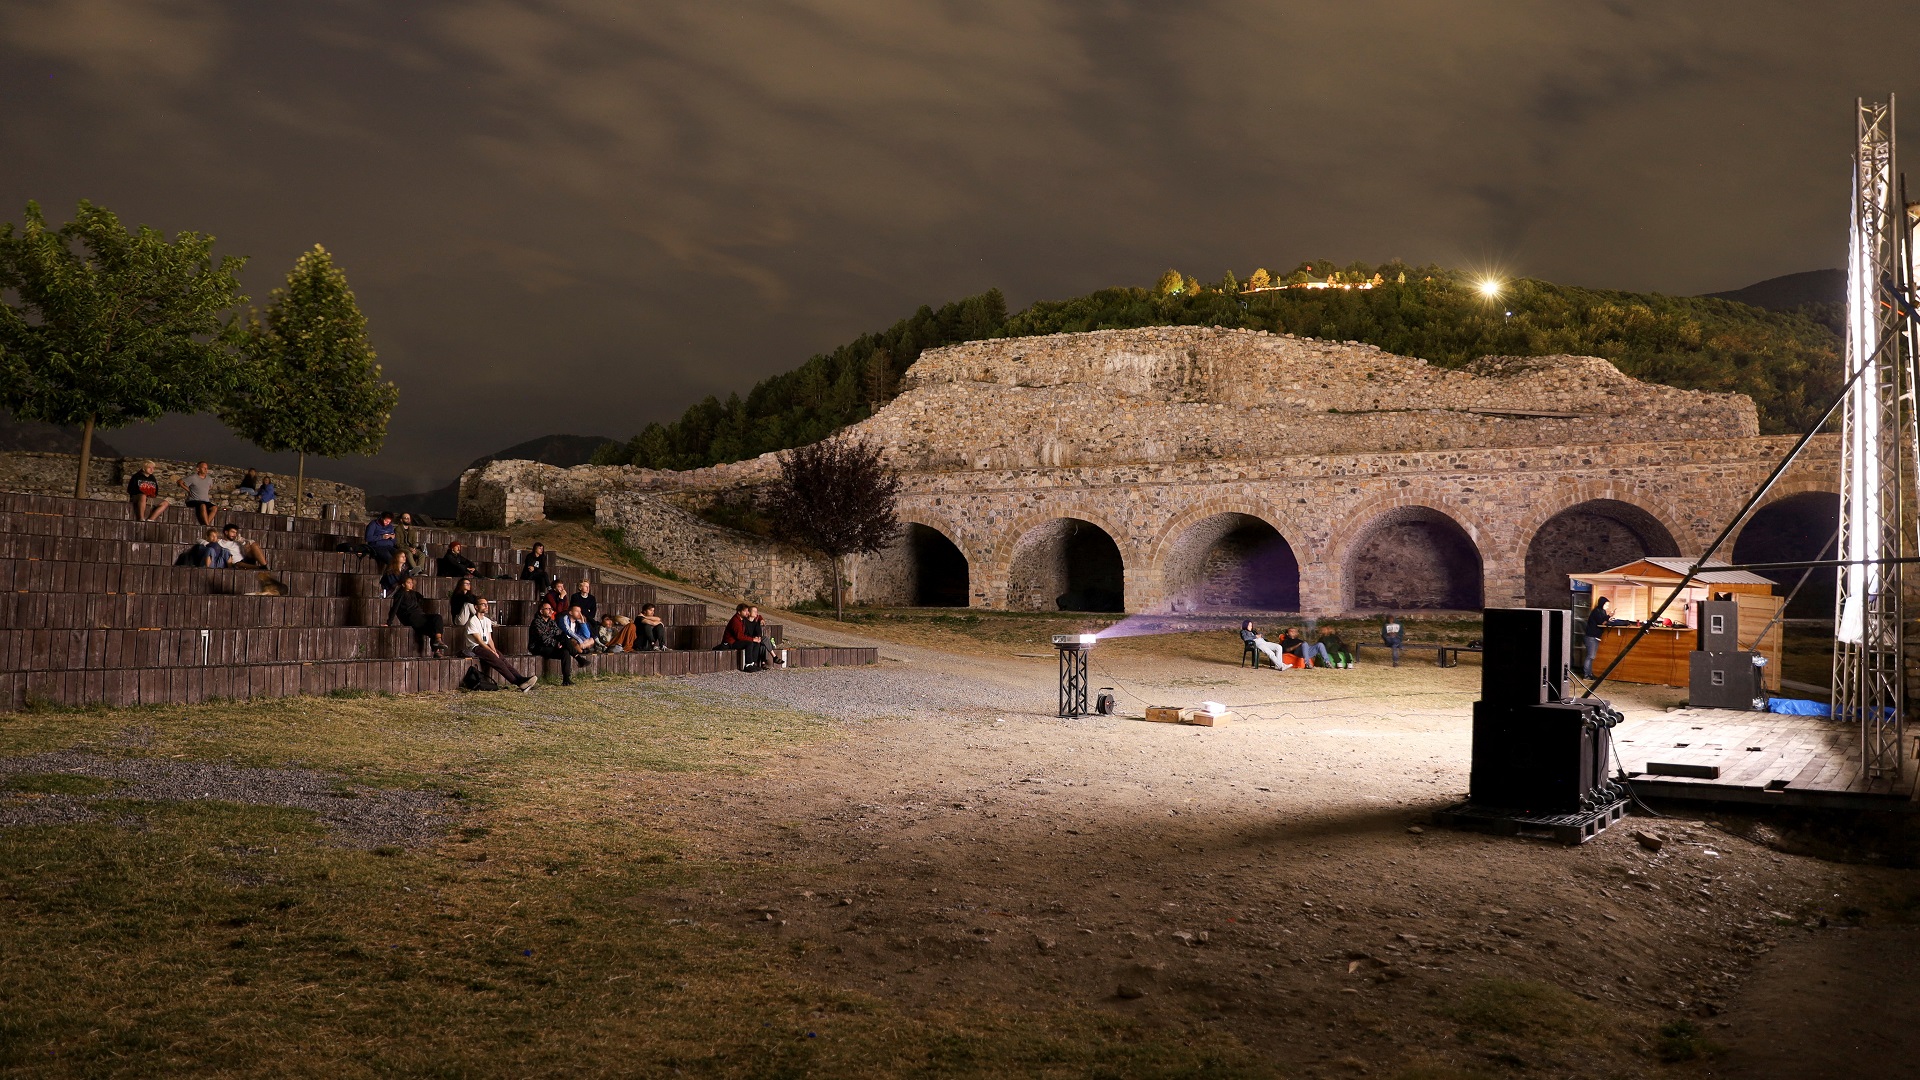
{"x":1196,"y":468}
{"x":37,"y":473}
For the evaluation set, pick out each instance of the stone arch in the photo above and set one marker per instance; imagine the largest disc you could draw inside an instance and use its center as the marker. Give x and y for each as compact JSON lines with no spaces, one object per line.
{"x":1413,"y":557}
{"x":1218,"y":559}
{"x":940,"y":574}
{"x":1678,"y":526}
{"x":1586,"y":537}
{"x":1065,"y":564}
{"x":1793,"y":525}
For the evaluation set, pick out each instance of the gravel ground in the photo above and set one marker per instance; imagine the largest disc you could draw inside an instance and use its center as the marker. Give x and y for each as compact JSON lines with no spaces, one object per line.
{"x":358,"y":817}
{"x":887,"y":690}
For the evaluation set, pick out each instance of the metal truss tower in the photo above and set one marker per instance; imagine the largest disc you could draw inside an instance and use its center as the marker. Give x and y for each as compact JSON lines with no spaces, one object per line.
{"x":1878,"y":450}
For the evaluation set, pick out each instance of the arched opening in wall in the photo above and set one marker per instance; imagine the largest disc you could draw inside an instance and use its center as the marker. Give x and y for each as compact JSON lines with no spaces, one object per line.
{"x":1232,"y":562}
{"x":1066,"y":565}
{"x":1588,"y":537}
{"x":1415,"y":558}
{"x":939,"y":568}
{"x":1795,"y":529}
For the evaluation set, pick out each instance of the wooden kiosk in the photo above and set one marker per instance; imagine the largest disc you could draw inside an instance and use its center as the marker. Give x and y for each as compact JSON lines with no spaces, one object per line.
{"x":1635,"y":590}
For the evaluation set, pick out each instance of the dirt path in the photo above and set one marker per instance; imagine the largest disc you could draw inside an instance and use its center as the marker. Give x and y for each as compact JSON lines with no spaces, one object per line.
{"x":1839,"y":1003}
{"x":1269,"y":877}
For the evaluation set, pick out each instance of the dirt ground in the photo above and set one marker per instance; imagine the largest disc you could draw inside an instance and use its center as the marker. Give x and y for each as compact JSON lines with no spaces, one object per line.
{"x":1271,"y":878}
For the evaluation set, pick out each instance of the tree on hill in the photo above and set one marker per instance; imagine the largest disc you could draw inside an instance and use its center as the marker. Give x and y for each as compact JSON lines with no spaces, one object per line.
{"x":112,"y":327}
{"x":837,"y":497}
{"x":310,"y":384}
{"x":1170,"y":283}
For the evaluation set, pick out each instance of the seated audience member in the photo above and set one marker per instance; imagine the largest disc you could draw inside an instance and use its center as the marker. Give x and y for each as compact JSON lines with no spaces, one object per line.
{"x":408,"y":539}
{"x":584,"y":599}
{"x":249,"y":485}
{"x":537,"y":568}
{"x":208,"y":553}
{"x":267,"y":495}
{"x":240,"y":550}
{"x":1393,"y":636}
{"x":1272,"y":652}
{"x":650,"y":629}
{"x":408,"y":611}
{"x":1293,"y":644}
{"x":616,"y":633}
{"x":558,"y":598}
{"x":142,"y":488}
{"x":579,"y":628}
{"x":199,"y":488}
{"x":381,"y":540}
{"x":398,"y":570}
{"x":460,"y":604}
{"x":546,"y":638}
{"x":480,"y":644}
{"x":455,"y":563}
{"x":1337,"y":648}
{"x":741,"y":635}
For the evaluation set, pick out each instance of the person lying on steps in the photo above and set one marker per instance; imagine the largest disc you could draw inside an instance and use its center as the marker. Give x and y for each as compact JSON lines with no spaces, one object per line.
{"x":615,"y":634}
{"x":480,"y":644}
{"x":409,"y":611}
{"x":240,"y":550}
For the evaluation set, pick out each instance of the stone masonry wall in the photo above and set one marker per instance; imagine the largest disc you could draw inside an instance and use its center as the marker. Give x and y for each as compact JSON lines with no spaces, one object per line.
{"x":52,"y":474}
{"x":725,"y":560}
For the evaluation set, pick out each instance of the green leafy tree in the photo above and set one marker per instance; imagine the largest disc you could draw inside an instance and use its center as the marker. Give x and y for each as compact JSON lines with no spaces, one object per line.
{"x":838,"y":497}
{"x":112,"y":327}
{"x":1260,"y":279}
{"x":1171,"y":283}
{"x":310,"y":384}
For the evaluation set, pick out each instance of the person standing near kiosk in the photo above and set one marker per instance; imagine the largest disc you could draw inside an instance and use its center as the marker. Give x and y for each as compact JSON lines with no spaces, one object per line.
{"x":1596,"y":623}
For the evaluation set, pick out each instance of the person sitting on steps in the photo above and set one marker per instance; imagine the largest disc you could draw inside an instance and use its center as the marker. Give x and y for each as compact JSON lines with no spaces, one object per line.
{"x":584,"y":599}
{"x":580,"y":629}
{"x":616,"y":633}
{"x":408,"y":539}
{"x":142,"y":488}
{"x":249,"y":485}
{"x":381,"y":538}
{"x":199,"y":488}
{"x":460,"y":604}
{"x":650,"y":630}
{"x":480,"y":644}
{"x":1250,"y":636}
{"x":240,"y":550}
{"x":398,"y":571}
{"x":409,"y":611}
{"x":537,"y":568}
{"x":548,"y":640}
{"x":1337,"y":648}
{"x":742,"y":635}
{"x":455,"y":563}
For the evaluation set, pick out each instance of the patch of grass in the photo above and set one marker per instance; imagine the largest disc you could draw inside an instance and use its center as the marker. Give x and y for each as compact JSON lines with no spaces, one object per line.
{"x":218,"y":936}
{"x":1519,"y":1024}
{"x":60,"y":784}
{"x":1682,"y":1040}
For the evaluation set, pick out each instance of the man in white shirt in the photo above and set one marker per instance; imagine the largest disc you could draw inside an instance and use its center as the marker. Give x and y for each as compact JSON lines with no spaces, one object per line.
{"x":480,"y":643}
{"x":240,"y":549}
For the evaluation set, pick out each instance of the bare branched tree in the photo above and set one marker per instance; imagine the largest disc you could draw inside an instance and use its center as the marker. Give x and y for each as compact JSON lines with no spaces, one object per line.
{"x":837,"y":497}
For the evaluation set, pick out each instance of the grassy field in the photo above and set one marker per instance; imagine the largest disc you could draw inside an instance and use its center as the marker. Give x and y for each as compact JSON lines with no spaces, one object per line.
{"x":214,"y":937}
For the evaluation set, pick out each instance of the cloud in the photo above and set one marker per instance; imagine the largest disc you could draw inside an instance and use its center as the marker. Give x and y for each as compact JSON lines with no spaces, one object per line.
{"x":157,"y":42}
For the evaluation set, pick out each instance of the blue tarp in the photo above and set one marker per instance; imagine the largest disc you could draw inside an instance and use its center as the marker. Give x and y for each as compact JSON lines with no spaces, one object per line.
{"x":1798,"y":707}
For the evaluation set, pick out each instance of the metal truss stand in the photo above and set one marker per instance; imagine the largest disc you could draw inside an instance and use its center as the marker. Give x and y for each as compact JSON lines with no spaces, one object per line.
{"x":1073,"y":678}
{"x":1878,"y":448}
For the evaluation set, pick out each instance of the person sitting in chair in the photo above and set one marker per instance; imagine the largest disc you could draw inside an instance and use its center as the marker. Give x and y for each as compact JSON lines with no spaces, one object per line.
{"x":1392,"y":636}
{"x":1252,"y":637}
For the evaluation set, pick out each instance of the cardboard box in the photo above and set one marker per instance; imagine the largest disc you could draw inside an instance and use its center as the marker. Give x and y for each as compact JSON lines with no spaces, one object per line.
{"x":1167,"y":714}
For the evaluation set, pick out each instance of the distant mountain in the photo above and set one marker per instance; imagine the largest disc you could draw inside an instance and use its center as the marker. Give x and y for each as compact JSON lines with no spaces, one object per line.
{"x":47,"y":438}
{"x":1790,"y":291}
{"x":442,"y":504}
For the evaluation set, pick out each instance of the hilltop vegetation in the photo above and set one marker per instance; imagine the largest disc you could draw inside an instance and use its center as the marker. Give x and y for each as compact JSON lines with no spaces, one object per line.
{"x":1787,"y":361}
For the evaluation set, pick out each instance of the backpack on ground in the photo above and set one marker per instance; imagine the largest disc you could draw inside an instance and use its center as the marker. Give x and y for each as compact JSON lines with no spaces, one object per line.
{"x":475,"y":679}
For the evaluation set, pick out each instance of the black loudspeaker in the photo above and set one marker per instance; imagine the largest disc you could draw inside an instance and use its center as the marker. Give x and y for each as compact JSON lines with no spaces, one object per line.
{"x":1560,"y":685}
{"x":1551,"y":758}
{"x":1718,"y":626}
{"x":1723,"y":680}
{"x":1516,"y":664}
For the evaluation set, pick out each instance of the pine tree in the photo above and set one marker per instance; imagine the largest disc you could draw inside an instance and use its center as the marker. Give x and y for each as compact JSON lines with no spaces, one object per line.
{"x":124,"y":329}
{"x":310,"y":384}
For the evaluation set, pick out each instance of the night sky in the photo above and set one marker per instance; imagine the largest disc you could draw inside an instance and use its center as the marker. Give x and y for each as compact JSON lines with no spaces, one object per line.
{"x":583,"y":216}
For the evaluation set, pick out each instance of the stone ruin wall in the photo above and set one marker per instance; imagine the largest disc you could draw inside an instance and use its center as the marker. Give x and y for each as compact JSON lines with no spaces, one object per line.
{"x":1158,"y":436}
{"x":52,"y":474}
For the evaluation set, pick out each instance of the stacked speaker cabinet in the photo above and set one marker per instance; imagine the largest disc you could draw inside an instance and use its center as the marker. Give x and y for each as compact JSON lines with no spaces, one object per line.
{"x":1720,"y":675}
{"x":1537,"y":750}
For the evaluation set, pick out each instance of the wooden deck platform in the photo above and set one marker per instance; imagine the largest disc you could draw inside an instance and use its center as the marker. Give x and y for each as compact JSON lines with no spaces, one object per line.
{"x":1758,"y":758}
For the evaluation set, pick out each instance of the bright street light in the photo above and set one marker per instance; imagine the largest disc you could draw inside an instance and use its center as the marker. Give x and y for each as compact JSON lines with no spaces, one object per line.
{"x":1489,"y":288}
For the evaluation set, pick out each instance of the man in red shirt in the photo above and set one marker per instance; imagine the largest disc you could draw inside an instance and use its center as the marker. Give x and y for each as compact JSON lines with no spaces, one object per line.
{"x":743,"y":633}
